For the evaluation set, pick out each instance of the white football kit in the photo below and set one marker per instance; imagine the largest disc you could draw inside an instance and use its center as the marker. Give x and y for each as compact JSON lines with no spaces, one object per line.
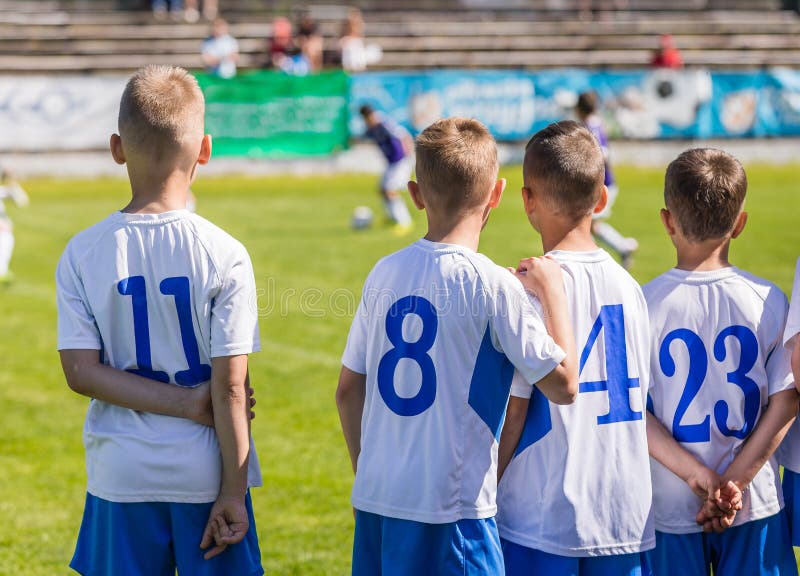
{"x":717,"y":357}
{"x":438,"y":332}
{"x":158,"y":295}
{"x":789,"y":450}
{"x":579,"y":482}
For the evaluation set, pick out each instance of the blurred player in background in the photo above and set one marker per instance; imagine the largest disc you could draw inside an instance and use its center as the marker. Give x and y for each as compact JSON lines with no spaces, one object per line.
{"x":9,"y":188}
{"x":396,"y":145}
{"x":586,"y":110}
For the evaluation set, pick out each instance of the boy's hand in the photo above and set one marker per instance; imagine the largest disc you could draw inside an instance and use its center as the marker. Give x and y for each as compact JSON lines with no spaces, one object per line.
{"x":200,"y":409}
{"x":541,"y":276}
{"x":227,"y":524}
{"x":718,"y":515}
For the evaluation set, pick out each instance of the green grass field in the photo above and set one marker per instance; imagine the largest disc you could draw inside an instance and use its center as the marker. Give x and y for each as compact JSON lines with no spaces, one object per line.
{"x":309,"y":267}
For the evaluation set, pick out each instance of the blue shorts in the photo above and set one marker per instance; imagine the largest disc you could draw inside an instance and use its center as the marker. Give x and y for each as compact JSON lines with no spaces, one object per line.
{"x":791,"y":497}
{"x":756,"y":548}
{"x":384,"y":546}
{"x":524,"y":561}
{"x":155,"y":538}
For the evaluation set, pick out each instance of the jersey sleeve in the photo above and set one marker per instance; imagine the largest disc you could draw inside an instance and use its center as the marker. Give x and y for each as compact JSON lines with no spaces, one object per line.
{"x":793,"y":322}
{"x":77,"y":329}
{"x":519,"y":387}
{"x":519,"y":331}
{"x":234,"y":312}
{"x":779,"y":364}
{"x":355,"y":351}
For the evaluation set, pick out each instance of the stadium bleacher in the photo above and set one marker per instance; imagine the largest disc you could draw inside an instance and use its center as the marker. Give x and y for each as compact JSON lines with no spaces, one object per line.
{"x":69,"y":36}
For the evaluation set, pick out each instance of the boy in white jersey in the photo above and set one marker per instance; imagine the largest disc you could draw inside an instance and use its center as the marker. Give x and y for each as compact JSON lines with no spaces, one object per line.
{"x":428,"y":366}
{"x":789,"y":451}
{"x":153,"y":304}
{"x":721,"y":380}
{"x":575,"y":496}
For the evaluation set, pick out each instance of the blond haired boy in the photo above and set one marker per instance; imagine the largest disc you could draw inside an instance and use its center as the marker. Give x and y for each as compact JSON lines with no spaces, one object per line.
{"x":427,"y":370}
{"x":721,"y":381}
{"x":156,"y":318}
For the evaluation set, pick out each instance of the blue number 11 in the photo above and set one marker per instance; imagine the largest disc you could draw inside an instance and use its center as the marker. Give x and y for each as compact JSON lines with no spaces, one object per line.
{"x":178,"y":287}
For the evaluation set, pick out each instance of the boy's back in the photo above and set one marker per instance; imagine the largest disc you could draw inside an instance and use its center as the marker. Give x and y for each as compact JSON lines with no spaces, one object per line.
{"x":435,"y":324}
{"x":579,"y":481}
{"x":717,"y":358}
{"x":158,"y":295}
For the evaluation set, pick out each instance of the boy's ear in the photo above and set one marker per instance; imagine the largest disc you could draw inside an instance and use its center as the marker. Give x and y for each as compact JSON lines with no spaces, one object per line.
{"x":497,"y":193}
{"x":602,"y":201}
{"x":416,"y":196}
{"x":666,"y":220}
{"x":205,"y":150}
{"x":528,"y":199}
{"x":741,"y":220}
{"x":115,"y":144}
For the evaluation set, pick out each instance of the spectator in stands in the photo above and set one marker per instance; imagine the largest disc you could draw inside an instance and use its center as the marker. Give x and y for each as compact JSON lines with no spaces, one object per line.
{"x":162,"y":7}
{"x":280,"y":45}
{"x":220,"y":51}
{"x":209,"y":10}
{"x":309,"y":42}
{"x":666,"y":55}
{"x":356,"y":55}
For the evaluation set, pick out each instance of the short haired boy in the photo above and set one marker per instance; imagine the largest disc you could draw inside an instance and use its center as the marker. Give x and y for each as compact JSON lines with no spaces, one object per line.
{"x":721,"y":380}
{"x":789,"y":450}
{"x":428,"y":365}
{"x":396,"y":146}
{"x":575,"y":495}
{"x":153,"y":304}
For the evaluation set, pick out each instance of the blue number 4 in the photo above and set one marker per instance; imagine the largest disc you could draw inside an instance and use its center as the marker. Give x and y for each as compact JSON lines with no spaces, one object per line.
{"x":178,"y":287}
{"x":617,"y":383}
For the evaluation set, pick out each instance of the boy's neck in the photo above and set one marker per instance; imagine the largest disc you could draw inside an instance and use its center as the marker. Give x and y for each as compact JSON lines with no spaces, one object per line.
{"x":559,"y":234}
{"x":463,"y":232}
{"x":703,"y":256}
{"x":152,"y":194}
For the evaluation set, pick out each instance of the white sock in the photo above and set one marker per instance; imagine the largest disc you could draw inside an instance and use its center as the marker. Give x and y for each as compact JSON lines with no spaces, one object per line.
{"x":6,"y":248}
{"x":619,"y":243}
{"x":398,"y":211}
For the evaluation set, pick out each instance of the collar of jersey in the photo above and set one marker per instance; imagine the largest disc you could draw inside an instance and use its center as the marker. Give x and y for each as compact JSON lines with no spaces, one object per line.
{"x":161,"y":218}
{"x":704,"y":276}
{"x":440,"y":246}
{"x":596,"y":255}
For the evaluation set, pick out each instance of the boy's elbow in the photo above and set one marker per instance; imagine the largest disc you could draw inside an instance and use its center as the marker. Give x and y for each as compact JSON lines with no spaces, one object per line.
{"x":566,"y":389}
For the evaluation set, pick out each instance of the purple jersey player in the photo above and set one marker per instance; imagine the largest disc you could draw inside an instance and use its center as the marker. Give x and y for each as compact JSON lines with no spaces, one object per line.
{"x":396,"y":145}
{"x":586,"y":109}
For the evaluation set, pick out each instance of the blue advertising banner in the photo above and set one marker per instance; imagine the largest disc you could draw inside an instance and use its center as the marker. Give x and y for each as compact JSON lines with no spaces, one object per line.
{"x":635,"y":104}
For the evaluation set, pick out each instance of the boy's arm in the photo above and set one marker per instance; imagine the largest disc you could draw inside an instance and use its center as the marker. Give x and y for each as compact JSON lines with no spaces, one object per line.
{"x":228,"y":521}
{"x":516,"y":413}
{"x":796,"y":361}
{"x":723,"y":500}
{"x":86,"y":375}
{"x":765,"y":439}
{"x":542,"y":276}
{"x":350,"y":395}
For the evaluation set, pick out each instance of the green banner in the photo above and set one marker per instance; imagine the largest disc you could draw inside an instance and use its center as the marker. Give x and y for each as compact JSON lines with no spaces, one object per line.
{"x":273,"y":114}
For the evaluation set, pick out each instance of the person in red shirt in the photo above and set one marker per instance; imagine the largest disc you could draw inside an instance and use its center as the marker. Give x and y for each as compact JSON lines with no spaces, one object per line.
{"x":666,"y":55}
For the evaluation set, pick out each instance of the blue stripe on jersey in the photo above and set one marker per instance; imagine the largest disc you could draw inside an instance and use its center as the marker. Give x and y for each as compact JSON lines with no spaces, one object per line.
{"x":490,"y":384}
{"x":537,"y":421}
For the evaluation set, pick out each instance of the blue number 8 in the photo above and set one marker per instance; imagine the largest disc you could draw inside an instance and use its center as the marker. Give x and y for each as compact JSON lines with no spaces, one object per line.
{"x":417,"y":351}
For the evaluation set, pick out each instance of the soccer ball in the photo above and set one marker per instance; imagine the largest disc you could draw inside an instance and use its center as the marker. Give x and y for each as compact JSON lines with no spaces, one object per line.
{"x":362,"y":218}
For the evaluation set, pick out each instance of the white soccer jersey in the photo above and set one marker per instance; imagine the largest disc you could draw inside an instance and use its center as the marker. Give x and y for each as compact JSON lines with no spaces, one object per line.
{"x":438,"y":333}
{"x":717,"y":357}
{"x":789,"y":451}
{"x":579,"y":483}
{"x":158,"y":295}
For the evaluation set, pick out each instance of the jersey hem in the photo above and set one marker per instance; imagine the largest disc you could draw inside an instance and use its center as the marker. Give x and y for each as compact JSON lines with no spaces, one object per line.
{"x":179,"y":498}
{"x":415,"y":516}
{"x":235,"y":349}
{"x":579,"y":552}
{"x":79,"y":345}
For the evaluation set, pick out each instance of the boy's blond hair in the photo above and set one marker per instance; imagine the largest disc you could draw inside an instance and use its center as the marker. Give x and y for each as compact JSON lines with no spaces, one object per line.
{"x":456,"y":164}
{"x":566,"y":164}
{"x":161,"y":109}
{"x":704,"y":190}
